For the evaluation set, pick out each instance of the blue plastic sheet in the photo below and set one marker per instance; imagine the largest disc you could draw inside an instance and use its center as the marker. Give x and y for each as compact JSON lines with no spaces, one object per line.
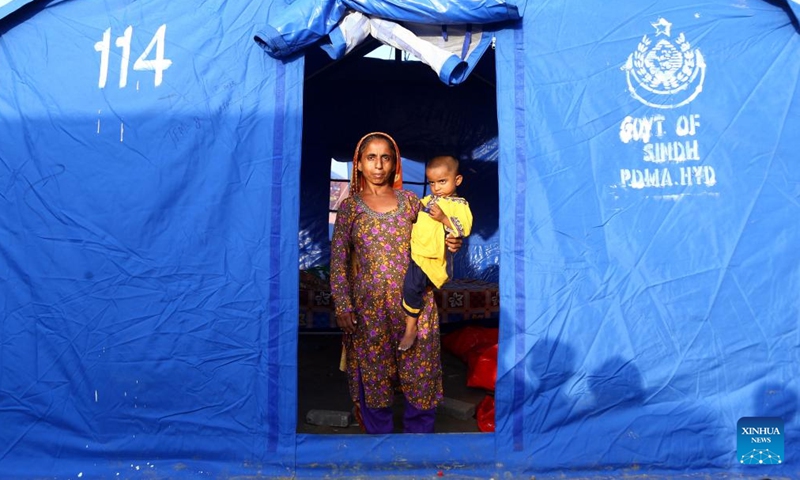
{"x":7,"y":7}
{"x":142,"y":215}
{"x":301,"y":23}
{"x":150,"y":169}
{"x":656,"y":193}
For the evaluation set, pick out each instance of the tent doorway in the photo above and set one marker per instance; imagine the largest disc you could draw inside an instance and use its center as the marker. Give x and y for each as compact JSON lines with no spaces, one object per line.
{"x":370,"y":91}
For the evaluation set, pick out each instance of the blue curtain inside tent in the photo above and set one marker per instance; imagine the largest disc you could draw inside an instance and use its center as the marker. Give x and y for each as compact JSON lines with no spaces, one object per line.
{"x":153,"y":156}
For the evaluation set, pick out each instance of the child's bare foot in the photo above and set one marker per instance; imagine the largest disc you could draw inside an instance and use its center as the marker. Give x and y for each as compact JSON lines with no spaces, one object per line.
{"x":409,"y":336}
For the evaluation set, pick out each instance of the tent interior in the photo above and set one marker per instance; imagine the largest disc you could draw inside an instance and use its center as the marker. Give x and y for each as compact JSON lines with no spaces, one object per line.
{"x":378,"y":88}
{"x":345,"y":99}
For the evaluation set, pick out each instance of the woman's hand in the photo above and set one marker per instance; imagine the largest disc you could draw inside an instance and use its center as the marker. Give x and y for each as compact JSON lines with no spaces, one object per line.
{"x":453,"y":243}
{"x":346,"y":322}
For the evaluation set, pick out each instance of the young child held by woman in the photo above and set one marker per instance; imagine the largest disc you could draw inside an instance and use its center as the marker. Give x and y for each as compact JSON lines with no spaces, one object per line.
{"x":444,"y":214}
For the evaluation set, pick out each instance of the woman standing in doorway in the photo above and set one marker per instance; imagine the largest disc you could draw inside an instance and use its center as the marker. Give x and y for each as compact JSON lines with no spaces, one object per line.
{"x":369,"y":257}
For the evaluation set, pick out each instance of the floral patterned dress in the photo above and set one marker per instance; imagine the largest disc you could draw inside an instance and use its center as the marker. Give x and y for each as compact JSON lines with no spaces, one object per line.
{"x":369,"y":257}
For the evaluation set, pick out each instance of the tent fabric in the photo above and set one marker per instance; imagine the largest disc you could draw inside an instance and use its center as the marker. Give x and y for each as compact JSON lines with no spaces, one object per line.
{"x":795,"y":6}
{"x":301,"y":24}
{"x":295,"y":25}
{"x":9,"y":6}
{"x":150,"y":175}
{"x":142,"y":229}
{"x":442,"y":13}
{"x":637,"y":287}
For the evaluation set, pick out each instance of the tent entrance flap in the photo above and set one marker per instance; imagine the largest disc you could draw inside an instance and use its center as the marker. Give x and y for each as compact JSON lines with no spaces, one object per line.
{"x":450,"y":40}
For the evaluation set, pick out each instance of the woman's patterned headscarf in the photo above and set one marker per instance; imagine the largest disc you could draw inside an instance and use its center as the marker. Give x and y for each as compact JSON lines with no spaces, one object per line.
{"x":357,"y":182}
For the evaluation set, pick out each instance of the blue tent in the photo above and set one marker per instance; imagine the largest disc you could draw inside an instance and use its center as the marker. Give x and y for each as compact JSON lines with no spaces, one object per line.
{"x":150,"y":178}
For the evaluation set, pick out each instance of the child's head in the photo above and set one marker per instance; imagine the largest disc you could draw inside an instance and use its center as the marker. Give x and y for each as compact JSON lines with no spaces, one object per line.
{"x":443,"y":176}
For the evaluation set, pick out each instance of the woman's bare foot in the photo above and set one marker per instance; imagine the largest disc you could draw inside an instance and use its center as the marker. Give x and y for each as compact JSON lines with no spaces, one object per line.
{"x":410,"y":335}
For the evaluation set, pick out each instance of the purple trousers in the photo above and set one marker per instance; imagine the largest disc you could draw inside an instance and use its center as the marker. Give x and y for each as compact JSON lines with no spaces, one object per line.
{"x":381,"y":420}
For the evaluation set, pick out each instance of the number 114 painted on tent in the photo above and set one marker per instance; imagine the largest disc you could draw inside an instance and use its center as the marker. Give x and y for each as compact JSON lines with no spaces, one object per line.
{"x":158,"y":65}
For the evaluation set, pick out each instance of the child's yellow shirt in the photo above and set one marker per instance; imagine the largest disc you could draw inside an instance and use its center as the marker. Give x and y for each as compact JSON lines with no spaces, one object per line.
{"x":427,"y":235}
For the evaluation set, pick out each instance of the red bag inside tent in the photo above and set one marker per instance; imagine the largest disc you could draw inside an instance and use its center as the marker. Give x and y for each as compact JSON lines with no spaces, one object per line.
{"x":484,"y":414}
{"x":482,"y":368}
{"x":464,"y":342}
